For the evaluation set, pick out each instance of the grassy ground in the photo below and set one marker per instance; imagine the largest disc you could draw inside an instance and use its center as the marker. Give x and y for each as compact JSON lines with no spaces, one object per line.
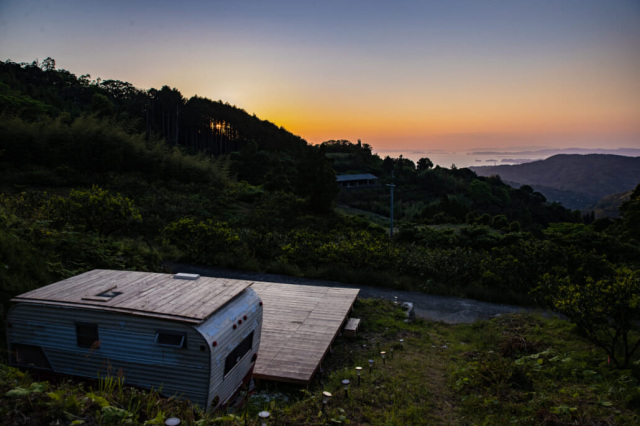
{"x":514,"y":369}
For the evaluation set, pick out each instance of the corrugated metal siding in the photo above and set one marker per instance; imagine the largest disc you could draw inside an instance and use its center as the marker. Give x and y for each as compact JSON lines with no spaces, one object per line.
{"x":219,"y":328}
{"x":127,"y":348}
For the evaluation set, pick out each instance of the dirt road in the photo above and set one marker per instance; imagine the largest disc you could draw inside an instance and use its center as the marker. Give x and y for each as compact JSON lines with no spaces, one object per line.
{"x":448,"y":309}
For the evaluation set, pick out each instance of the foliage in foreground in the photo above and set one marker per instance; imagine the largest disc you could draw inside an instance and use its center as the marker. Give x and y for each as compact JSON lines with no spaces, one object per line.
{"x":107,"y":402}
{"x":529,"y":370}
{"x":604,"y":310}
{"x":520,"y":369}
{"x":513,"y":369}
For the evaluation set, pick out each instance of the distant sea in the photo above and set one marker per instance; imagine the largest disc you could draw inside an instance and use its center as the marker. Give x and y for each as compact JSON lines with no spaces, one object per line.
{"x":497,"y":157}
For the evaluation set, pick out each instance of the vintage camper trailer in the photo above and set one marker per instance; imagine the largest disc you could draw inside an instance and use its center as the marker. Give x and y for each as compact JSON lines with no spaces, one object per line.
{"x":182,"y":334}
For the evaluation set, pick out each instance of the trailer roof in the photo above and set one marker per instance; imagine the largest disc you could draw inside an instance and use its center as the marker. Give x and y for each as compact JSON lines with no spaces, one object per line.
{"x":141,"y":293}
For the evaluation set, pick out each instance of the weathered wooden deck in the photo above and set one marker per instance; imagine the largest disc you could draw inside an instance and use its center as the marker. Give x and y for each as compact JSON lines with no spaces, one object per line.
{"x":299,"y":325}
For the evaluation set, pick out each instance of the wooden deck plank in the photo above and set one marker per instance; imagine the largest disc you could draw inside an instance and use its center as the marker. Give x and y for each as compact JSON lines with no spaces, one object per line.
{"x":299,"y":325}
{"x":218,"y":301}
{"x":155,"y":295}
{"x":62,"y":292}
{"x":191,"y":293}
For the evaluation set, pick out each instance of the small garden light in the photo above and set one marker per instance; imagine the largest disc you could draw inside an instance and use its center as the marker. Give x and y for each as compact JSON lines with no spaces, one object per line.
{"x":401,"y":343}
{"x":358,"y":370}
{"x":370,"y":365}
{"x":391,"y":351}
{"x":264,"y":416}
{"x":325,"y":399}
{"x":346,"y":383}
{"x":383,"y":354}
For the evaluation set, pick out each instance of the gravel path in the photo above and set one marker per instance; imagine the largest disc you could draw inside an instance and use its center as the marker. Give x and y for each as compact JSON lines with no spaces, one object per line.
{"x":448,"y":309}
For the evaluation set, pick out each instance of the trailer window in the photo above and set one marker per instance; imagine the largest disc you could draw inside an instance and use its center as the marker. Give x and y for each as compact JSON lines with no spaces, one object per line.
{"x":29,"y":356}
{"x":87,"y":335}
{"x":171,"y":338}
{"x":240,"y":351}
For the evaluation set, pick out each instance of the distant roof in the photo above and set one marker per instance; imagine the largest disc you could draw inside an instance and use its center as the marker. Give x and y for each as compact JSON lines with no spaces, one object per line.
{"x":346,"y":178}
{"x":141,"y":293}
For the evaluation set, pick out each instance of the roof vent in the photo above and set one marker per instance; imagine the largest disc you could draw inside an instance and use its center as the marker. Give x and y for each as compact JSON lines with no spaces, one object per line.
{"x":184,"y":276}
{"x":110,"y":293}
{"x":104,"y":295}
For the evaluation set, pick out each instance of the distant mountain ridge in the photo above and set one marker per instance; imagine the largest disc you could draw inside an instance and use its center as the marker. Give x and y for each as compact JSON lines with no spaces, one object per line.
{"x":627,"y":152}
{"x":576,"y":181}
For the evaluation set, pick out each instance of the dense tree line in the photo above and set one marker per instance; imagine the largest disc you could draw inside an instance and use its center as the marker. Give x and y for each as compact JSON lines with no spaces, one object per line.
{"x":58,"y":129}
{"x":197,"y":124}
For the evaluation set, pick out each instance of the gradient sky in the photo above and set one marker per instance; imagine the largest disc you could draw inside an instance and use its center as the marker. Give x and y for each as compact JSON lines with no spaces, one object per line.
{"x":447,"y":74}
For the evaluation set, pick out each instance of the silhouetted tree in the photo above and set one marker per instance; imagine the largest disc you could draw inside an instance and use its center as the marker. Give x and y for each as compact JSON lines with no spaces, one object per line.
{"x":387,"y":164}
{"x":424,"y":164}
{"x":48,"y":64}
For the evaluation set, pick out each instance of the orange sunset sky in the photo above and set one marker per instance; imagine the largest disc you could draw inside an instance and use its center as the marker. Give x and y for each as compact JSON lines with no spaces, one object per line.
{"x":433,"y":75}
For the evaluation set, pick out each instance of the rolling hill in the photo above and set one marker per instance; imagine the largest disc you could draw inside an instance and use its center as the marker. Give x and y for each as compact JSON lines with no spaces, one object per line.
{"x":575,"y":181}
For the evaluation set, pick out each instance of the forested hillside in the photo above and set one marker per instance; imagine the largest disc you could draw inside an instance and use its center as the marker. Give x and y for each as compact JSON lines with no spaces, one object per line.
{"x":100,"y":174}
{"x":576,"y":181}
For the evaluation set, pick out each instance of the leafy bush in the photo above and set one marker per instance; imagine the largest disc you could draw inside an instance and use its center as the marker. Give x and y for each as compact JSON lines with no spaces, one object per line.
{"x":606,"y":310}
{"x":94,"y":210}
{"x":34,"y":253}
{"x":202,"y":241}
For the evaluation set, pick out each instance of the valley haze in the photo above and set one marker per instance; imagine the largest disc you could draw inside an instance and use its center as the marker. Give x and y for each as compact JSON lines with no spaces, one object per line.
{"x":491,"y":157}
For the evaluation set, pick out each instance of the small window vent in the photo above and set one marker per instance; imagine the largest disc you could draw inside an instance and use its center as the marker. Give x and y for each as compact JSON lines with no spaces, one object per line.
{"x":175,"y":339}
{"x":184,"y":276}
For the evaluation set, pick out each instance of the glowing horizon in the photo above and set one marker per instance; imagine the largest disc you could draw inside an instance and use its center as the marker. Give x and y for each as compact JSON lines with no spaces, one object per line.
{"x":452,"y":75}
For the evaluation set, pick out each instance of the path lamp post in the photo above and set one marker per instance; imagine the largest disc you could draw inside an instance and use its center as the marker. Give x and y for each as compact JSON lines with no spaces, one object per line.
{"x":264,"y":416}
{"x":358,"y":370}
{"x":383,"y":354}
{"x":401,"y":343}
{"x":325,"y":399}
{"x":370,"y":365}
{"x":346,"y":383}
